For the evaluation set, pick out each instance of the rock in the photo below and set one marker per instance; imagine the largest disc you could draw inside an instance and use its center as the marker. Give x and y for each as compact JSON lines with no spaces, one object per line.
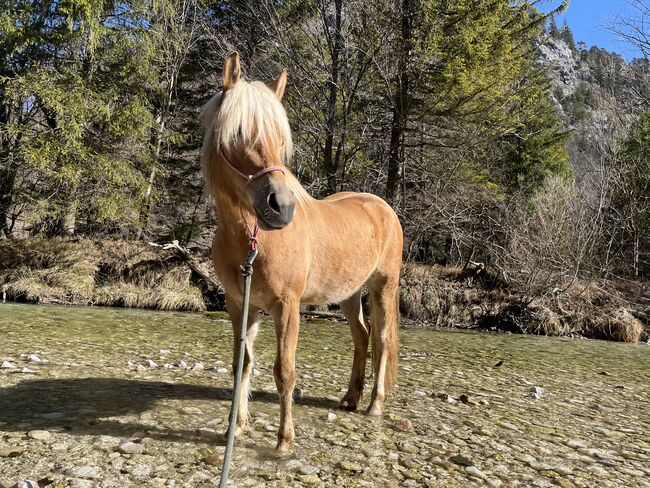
{"x":181,"y":364}
{"x":307,"y":469}
{"x":222,"y":370}
{"x":11,"y":452}
{"x":405,"y":425}
{"x":164,"y":352}
{"x":198,"y":367}
{"x":407,"y":447}
{"x":141,"y":470}
{"x":150,"y":363}
{"x":309,"y":479}
{"x":213,"y":459}
{"x":474,"y":471}
{"x":461,"y":460}
{"x":372,"y":453}
{"x":28,"y":371}
{"x":26,"y":484}
{"x":130,"y":448}
{"x":393,"y":456}
{"x":168,"y":366}
{"x":41,"y":435}
{"x":446,"y":398}
{"x":349,"y":466}
{"x":84,"y":472}
{"x":33,"y":358}
{"x":499,"y":364}
{"x":297,"y":394}
{"x":329,"y":416}
{"x":464,"y":399}
{"x":7,"y":365}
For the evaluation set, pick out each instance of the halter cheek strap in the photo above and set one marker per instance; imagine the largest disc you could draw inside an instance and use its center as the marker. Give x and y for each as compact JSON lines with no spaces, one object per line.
{"x":249,"y":178}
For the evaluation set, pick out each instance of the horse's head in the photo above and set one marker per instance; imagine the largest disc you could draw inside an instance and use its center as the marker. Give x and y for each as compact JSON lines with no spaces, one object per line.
{"x":249,"y":136}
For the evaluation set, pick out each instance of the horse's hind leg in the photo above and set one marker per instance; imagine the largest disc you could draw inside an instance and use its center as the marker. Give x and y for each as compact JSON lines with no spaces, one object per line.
{"x":384,"y":297}
{"x":354,"y":314}
{"x":234,"y":310}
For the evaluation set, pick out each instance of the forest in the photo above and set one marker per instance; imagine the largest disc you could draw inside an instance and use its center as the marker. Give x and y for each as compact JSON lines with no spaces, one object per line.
{"x":517,"y":159}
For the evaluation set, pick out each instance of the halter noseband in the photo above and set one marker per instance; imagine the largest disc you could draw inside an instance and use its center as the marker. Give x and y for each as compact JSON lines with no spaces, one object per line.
{"x":249,"y":178}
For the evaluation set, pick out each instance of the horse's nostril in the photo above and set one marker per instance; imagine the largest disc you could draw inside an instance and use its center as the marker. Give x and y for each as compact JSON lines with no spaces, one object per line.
{"x":273,"y":203}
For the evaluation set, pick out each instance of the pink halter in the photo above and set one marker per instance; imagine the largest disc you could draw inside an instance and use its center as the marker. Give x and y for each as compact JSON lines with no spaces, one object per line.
{"x":249,"y":178}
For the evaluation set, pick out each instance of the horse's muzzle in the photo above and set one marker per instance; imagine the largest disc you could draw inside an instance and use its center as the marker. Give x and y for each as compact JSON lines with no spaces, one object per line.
{"x":275,"y":206}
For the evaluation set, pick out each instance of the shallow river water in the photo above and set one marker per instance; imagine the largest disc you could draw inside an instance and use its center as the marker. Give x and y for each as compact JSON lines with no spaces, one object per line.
{"x":70,"y":420}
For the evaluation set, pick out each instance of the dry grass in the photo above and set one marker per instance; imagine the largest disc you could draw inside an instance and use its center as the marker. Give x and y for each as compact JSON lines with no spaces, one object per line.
{"x":111,"y":273}
{"x":453,"y":297}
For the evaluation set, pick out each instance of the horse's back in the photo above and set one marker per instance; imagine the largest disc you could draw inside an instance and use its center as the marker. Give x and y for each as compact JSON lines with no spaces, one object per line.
{"x":353,"y":236}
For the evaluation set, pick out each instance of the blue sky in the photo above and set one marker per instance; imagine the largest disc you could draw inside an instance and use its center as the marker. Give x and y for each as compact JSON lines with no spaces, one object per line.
{"x":588,"y":21}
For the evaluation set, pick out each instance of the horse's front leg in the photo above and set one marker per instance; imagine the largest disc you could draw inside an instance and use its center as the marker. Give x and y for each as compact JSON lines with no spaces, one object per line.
{"x":287,"y":323}
{"x":234,"y":310}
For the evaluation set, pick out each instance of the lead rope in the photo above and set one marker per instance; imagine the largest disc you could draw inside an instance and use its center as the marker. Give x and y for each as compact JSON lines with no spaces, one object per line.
{"x":247,"y":273}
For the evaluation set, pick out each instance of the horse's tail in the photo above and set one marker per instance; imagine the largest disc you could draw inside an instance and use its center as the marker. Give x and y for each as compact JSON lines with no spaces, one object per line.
{"x":392,"y":345}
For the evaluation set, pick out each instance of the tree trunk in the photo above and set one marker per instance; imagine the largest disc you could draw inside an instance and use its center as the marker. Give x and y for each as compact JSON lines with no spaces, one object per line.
{"x":401,"y":102}
{"x":330,"y":163}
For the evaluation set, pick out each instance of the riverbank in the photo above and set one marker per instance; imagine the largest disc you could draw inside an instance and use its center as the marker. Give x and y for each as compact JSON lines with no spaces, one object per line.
{"x":138,"y":275}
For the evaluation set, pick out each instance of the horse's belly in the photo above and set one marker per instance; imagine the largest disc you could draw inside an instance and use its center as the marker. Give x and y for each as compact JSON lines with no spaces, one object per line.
{"x":333,"y":282}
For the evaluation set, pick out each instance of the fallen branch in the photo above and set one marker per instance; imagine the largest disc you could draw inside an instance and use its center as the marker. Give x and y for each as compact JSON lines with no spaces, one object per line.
{"x":191,"y":262}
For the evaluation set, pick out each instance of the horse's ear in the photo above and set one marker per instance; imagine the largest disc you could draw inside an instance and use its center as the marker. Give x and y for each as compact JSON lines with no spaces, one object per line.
{"x":279,"y":84}
{"x":231,"y":70}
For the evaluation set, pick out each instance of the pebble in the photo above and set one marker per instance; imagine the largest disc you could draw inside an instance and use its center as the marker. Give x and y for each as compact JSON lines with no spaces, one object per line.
{"x":198,"y":367}
{"x":181,"y":364}
{"x":446,"y":398}
{"x":461,"y":460}
{"x":84,"y":472}
{"x":28,"y":371}
{"x":11,"y":452}
{"x":141,"y":470}
{"x":405,"y":425}
{"x":474,"y":471}
{"x":26,"y":484}
{"x":222,"y":370}
{"x":150,"y":363}
{"x":33,"y":358}
{"x":393,"y":456}
{"x":329,"y":416}
{"x":307,"y":469}
{"x":7,"y":365}
{"x":131,"y":448}
{"x":41,"y":435}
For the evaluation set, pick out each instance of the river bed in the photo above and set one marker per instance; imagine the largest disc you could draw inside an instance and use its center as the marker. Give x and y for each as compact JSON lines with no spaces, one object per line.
{"x":113,"y":398}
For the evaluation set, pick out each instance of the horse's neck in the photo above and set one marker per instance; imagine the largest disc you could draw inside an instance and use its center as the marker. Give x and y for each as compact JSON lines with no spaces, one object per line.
{"x":231,"y":213}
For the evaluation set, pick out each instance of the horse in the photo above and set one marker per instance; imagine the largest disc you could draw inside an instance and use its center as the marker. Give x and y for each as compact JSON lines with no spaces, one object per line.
{"x":310,"y":251}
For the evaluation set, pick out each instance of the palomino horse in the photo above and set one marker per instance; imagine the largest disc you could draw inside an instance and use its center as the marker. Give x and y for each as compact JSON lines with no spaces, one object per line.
{"x":310,"y":251}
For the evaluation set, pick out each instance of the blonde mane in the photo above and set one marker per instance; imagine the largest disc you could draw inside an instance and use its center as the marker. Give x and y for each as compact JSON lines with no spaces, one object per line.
{"x":249,"y":113}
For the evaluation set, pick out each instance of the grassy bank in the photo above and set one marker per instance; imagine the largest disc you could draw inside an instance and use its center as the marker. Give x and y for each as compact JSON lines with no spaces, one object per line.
{"x":134,"y":274}
{"x":454,"y":297}
{"x":106,"y":273}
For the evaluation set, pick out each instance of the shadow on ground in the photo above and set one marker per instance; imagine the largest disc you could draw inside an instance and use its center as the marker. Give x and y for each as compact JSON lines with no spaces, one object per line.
{"x":87,"y":406}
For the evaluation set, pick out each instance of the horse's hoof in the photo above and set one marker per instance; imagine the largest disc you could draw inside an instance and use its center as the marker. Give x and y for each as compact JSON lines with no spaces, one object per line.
{"x":348,"y":407}
{"x":283,"y":449}
{"x":375,"y":410}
